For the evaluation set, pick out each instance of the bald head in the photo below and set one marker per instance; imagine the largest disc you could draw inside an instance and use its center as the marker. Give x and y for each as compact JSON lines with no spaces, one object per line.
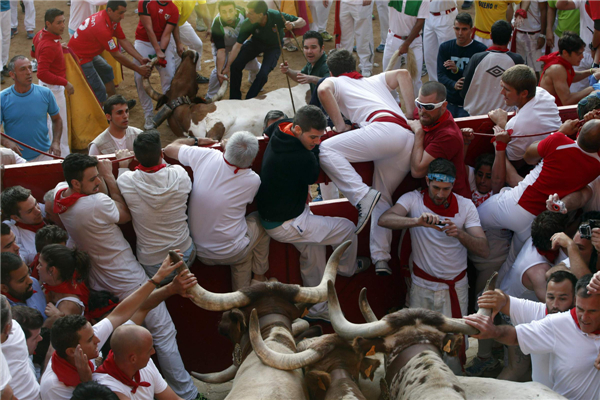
{"x":589,"y":137}
{"x":130,"y":340}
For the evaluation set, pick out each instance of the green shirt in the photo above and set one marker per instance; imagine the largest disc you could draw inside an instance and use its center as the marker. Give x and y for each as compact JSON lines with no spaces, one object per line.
{"x":265,"y":35}
{"x":320,"y":69}
{"x":568,"y":20}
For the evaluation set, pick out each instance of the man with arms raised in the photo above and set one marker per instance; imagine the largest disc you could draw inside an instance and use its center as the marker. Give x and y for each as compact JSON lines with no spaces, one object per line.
{"x":571,"y":339}
{"x":114,"y":267}
{"x":384,"y":137}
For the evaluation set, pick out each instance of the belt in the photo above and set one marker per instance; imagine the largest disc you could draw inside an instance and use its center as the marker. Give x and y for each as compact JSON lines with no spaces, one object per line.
{"x":454,"y":303}
{"x":443,"y":12}
{"x":397,"y":36}
{"x":387,"y":116}
{"x":529,"y":33}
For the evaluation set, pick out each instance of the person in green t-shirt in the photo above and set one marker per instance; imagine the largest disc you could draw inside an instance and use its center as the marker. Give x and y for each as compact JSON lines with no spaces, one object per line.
{"x":316,"y":67}
{"x":568,"y":20}
{"x":260,"y":23}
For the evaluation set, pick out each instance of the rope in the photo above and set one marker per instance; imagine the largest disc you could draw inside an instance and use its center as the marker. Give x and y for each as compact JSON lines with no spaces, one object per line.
{"x":515,"y":137}
{"x":48,"y":154}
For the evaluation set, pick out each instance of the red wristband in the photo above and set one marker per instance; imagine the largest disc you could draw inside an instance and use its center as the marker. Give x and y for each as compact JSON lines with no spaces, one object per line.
{"x":500,"y":146}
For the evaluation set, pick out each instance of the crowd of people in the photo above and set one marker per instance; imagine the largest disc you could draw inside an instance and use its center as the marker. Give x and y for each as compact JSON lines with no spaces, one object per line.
{"x":530,"y":210}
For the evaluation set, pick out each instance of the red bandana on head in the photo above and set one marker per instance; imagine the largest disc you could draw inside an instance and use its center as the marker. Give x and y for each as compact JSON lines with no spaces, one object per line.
{"x":62,"y":204}
{"x":449,"y":209}
{"x":65,"y":372}
{"x":31,"y":228}
{"x":110,"y":367}
{"x":151,"y":170}
{"x":574,"y":315}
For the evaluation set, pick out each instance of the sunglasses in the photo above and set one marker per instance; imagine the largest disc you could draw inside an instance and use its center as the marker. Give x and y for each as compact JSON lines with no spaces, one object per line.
{"x":428,"y":106}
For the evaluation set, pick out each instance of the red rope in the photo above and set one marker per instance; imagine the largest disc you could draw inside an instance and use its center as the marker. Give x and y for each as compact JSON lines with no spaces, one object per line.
{"x":48,"y":154}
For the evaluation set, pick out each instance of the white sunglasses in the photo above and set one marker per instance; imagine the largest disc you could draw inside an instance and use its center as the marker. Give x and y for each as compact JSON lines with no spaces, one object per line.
{"x":428,"y":106}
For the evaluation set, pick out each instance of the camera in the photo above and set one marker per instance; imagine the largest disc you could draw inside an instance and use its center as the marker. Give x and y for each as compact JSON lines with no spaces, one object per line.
{"x":585,"y":229}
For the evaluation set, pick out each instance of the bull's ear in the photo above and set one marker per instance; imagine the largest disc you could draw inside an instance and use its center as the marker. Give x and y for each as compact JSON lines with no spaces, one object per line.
{"x":239,"y":320}
{"x":368,"y":366}
{"x":369,"y":347}
{"x":452,"y":343}
{"x":163,"y":100}
{"x":317,"y":382}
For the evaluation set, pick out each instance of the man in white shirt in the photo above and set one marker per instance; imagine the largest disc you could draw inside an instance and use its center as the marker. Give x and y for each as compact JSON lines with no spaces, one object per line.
{"x":26,"y":219}
{"x":76,"y":341}
{"x":571,"y":338}
{"x":119,"y":135}
{"x":129,"y":371}
{"x":161,"y":191}
{"x":406,"y":21}
{"x":6,"y":392}
{"x":224,"y":185}
{"x":114,"y":267}
{"x":14,"y":349}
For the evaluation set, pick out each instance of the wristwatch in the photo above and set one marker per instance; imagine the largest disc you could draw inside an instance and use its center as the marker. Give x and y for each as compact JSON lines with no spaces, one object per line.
{"x":592,"y":47}
{"x":195,"y":140}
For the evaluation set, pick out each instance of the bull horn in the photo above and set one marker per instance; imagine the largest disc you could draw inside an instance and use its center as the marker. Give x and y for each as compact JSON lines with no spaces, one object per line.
{"x":299,"y":326}
{"x":318,"y":294}
{"x":154,"y":95}
{"x":217,"y":377}
{"x":458,"y":325}
{"x":286,"y":362}
{"x":365,"y":308}
{"x":347,"y":330}
{"x":208,"y":300}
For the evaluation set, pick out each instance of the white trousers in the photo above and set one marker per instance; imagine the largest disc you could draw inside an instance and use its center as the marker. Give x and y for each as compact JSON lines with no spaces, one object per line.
{"x":213,"y":82}
{"x":384,"y":19}
{"x":29,"y":14}
{"x":189,"y":38}
{"x":527,"y":48}
{"x":501,"y":211}
{"x":4,"y":36}
{"x":438,"y":29}
{"x":59,"y":95}
{"x":310,"y":234}
{"x":389,"y":147}
{"x":166,"y":74}
{"x":392,"y":44}
{"x":159,"y":323}
{"x":584,"y":65}
{"x":320,"y":15}
{"x":487,"y":42}
{"x":356,"y":23}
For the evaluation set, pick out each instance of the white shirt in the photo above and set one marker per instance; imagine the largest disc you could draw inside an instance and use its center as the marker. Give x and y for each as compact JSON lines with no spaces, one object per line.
{"x":401,"y":24}
{"x":359,"y":98}
{"x":147,"y":374}
{"x":23,"y":383}
{"x":92,"y":223}
{"x":434,"y":252}
{"x":4,"y":372}
{"x":51,"y":387}
{"x":538,"y":115}
{"x":158,"y":205}
{"x":218,"y":202}
{"x":523,"y":312}
{"x":81,"y":9}
{"x":572,"y":354}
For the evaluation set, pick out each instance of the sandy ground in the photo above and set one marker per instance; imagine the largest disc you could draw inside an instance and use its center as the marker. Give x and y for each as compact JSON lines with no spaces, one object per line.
{"x":21,"y":45}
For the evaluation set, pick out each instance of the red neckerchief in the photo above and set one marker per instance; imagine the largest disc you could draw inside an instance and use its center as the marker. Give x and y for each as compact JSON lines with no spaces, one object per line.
{"x":71,"y":287}
{"x":553,"y":59}
{"x":479,"y":198}
{"x":99,"y":312}
{"x":151,"y":170}
{"x":352,"y":75}
{"x":110,"y":367}
{"x":235,"y":171}
{"x":445,"y":211}
{"x":31,"y":228}
{"x":549,"y":254}
{"x":574,"y":315}
{"x":65,"y":372}
{"x":445,"y":116}
{"x":8,"y":296}
{"x":497,"y":48}
{"x":62,"y":204}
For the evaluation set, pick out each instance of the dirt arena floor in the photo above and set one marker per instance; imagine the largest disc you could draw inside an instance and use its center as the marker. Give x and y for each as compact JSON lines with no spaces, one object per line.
{"x":21,"y":45}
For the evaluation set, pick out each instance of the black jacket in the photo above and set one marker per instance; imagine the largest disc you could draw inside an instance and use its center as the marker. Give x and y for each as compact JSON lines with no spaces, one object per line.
{"x":287,"y":170}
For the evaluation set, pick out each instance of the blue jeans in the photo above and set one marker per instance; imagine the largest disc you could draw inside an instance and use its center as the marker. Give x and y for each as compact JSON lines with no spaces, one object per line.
{"x":250,"y":49}
{"x":457,"y":111}
{"x":151,"y":269}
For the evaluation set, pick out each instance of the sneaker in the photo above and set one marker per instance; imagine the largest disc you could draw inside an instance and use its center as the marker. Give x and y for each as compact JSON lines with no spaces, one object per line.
{"x":201,"y":79}
{"x":290,"y":47}
{"x":149,"y":124}
{"x":200,"y":26}
{"x":424,"y":70}
{"x":326,"y":36}
{"x":467,"y":5}
{"x":131,"y":103}
{"x":30,"y":35}
{"x":365,"y":208}
{"x":478,"y":366}
{"x":317,"y":316}
{"x":13,"y":32}
{"x":382,"y":268}
{"x":34,"y":65}
{"x":363,"y":264}
{"x":380,"y":48}
{"x":366,"y":74}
